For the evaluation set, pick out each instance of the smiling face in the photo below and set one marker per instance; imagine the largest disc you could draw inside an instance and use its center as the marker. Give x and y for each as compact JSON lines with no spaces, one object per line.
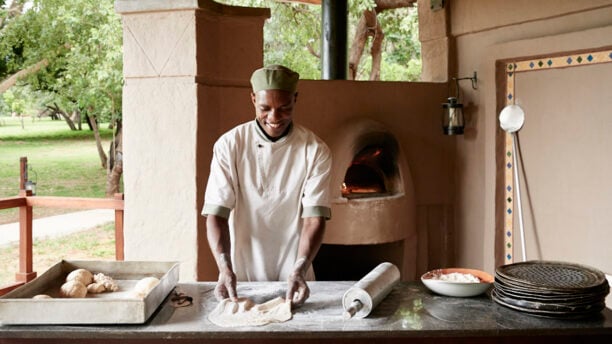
{"x":274,"y":110}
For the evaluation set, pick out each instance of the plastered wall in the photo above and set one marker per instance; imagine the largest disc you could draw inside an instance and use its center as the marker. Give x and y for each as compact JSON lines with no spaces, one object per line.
{"x":486,"y":32}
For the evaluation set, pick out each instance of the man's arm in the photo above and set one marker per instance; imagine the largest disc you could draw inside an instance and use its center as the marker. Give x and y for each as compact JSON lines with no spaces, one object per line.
{"x":217,"y":233}
{"x":311,"y":238}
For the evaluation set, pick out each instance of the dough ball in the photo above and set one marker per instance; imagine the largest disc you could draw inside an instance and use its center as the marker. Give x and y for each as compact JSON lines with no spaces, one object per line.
{"x":145,"y":285}
{"x":96,"y":288}
{"x":73,"y":289}
{"x":42,"y":296}
{"x":81,"y":275}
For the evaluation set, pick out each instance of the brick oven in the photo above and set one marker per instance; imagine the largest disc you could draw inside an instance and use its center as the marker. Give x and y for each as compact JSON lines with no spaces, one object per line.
{"x":373,"y":205}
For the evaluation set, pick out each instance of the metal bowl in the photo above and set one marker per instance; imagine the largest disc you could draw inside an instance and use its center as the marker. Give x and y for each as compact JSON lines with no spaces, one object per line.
{"x":433,"y":282}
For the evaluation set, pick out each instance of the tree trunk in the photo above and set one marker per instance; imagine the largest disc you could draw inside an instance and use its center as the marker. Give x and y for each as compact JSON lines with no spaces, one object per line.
{"x":56,"y":109}
{"x":369,"y":26}
{"x":12,"y":80}
{"x":76,"y":118}
{"x":101,"y":154}
{"x":113,"y":177}
{"x":361,"y":35}
{"x":376,"y":52}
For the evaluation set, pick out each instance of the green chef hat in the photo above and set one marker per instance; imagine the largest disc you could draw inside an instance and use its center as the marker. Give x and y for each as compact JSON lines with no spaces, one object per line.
{"x":274,"y":77}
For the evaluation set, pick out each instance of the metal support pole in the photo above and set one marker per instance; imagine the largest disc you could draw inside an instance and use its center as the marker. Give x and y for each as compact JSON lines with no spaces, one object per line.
{"x":334,"y":40}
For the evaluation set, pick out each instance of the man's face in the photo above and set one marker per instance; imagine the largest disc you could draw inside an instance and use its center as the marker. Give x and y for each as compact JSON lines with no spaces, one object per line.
{"x":274,"y":110}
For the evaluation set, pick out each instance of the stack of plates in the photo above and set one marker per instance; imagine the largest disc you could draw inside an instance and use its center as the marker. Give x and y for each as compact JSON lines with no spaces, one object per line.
{"x":551,"y":289}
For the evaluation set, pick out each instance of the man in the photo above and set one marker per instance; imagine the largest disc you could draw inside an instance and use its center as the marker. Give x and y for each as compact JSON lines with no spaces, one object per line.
{"x":267,"y":197}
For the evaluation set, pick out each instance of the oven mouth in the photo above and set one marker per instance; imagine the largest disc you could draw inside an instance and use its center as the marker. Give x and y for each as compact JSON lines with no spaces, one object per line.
{"x":373,"y":170}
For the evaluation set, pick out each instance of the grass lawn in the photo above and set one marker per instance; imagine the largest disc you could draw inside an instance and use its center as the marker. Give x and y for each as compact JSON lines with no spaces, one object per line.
{"x":65,"y":163}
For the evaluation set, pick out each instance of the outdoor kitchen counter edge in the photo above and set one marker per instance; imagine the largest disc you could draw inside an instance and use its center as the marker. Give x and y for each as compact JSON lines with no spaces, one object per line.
{"x":409,"y":311}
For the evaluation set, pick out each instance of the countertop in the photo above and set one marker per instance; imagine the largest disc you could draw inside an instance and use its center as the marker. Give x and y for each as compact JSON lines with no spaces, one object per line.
{"x":410,"y":311}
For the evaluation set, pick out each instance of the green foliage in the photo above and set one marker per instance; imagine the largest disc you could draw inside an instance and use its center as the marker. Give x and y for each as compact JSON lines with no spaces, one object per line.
{"x":293,"y":33}
{"x":65,"y":161}
{"x":23,"y":100}
{"x":81,"y":42}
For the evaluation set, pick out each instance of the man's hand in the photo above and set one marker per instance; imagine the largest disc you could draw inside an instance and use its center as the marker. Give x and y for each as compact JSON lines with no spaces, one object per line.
{"x":226,"y":286}
{"x":298,"y":290}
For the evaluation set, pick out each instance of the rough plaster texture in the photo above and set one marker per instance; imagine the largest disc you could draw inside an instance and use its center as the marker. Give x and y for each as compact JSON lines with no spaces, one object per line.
{"x":435,"y":50}
{"x":435,"y":54}
{"x":469,"y":16}
{"x":159,"y":44}
{"x":476,"y":164}
{"x":160,"y":215}
{"x":563,"y":143}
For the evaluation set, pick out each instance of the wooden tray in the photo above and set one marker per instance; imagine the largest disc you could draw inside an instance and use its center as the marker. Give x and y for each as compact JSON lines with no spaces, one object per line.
{"x":120,"y":307}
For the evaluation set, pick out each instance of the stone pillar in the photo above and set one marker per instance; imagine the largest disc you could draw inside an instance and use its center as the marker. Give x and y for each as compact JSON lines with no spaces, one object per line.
{"x":179,"y":56}
{"x":435,"y":44}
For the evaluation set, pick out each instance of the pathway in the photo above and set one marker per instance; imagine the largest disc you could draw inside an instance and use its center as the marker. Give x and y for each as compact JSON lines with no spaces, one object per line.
{"x":58,"y":225}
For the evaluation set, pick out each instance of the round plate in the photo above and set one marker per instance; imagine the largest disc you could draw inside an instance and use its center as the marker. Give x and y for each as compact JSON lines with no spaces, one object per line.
{"x":457,"y":289}
{"x":545,"y":313}
{"x":547,"y":305}
{"x":540,"y":293}
{"x":553,"y":276}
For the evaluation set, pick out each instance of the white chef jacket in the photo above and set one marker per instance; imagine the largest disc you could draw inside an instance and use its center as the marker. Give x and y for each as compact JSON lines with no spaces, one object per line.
{"x":265,"y":188}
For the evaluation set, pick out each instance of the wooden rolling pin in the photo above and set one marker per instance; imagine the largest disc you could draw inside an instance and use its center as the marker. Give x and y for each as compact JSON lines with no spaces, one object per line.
{"x":368,"y":292}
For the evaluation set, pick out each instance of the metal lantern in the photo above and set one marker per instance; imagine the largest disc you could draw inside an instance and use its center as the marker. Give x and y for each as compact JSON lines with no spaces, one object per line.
{"x":452,"y":117}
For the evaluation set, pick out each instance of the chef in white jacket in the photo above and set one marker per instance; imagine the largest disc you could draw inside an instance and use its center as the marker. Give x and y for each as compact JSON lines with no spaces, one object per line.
{"x":267,"y":197}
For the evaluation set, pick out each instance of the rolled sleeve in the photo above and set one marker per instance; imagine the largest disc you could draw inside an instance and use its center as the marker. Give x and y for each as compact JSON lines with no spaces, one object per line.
{"x":317,"y":211}
{"x":217,"y":210}
{"x":315,"y":201}
{"x":220,"y":198}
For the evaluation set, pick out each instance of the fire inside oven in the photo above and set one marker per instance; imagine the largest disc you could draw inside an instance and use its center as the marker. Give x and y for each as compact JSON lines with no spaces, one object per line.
{"x":370,"y":172}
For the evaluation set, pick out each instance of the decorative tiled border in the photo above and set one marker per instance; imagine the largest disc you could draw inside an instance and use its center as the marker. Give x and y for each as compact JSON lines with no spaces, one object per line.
{"x":528,"y":65}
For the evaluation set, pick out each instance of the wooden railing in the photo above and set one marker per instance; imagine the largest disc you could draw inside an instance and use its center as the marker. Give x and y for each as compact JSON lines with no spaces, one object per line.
{"x":25,"y":202}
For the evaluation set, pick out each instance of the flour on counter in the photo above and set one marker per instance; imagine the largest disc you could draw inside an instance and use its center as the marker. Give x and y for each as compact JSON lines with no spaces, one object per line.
{"x":247,"y":313}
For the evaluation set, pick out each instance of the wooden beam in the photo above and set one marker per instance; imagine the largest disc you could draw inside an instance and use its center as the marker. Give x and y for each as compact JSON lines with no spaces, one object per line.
{"x":6,"y":288}
{"x":74,"y":202}
{"x":26,"y":240}
{"x":23,"y":172}
{"x":13,"y":202}
{"x":119,"y":243}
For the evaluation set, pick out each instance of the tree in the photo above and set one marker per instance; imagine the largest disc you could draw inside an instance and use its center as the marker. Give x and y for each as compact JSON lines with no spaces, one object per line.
{"x":70,"y":50}
{"x":292,"y":38}
{"x":373,"y":24}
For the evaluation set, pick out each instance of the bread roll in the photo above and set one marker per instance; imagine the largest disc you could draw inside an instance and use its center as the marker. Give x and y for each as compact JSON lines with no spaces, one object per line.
{"x":145,"y":285}
{"x":82,"y":275}
{"x":73,"y":289}
{"x":41,"y":296}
